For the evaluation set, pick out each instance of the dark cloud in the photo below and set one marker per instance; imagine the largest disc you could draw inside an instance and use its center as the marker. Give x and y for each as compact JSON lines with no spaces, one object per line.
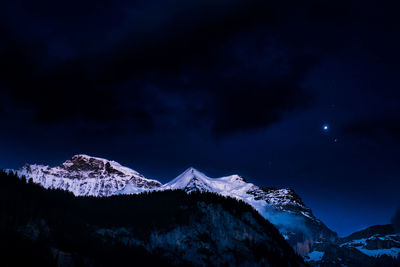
{"x":223,"y":51}
{"x":226,"y":65}
{"x":256,"y":96}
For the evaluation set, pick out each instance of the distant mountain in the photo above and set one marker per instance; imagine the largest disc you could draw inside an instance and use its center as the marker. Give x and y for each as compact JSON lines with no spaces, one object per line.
{"x":88,"y":176}
{"x":160,"y":228}
{"x":377,"y":245}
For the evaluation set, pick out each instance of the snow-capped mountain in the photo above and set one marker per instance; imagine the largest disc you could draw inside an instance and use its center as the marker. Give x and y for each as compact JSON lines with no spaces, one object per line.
{"x":377,"y":245}
{"x":88,"y":176}
{"x":283,"y":207}
{"x":236,"y":186}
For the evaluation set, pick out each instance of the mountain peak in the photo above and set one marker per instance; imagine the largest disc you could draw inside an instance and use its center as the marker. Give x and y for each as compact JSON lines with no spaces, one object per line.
{"x":81,"y":156}
{"x":86,"y":164}
{"x":86,"y":158}
{"x":190,"y":178}
{"x":190,"y":170}
{"x":193,"y":171}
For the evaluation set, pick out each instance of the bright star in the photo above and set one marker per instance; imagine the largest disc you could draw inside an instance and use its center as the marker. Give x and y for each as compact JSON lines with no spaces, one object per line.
{"x":325,"y":127}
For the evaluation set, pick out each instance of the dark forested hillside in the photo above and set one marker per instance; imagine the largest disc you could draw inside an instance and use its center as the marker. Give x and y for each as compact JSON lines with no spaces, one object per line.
{"x":48,"y":227}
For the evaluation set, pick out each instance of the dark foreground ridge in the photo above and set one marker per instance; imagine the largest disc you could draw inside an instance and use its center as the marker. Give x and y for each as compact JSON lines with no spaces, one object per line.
{"x":52,"y":227}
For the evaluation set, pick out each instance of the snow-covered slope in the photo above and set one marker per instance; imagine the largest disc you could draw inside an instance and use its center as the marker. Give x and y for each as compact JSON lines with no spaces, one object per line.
{"x":377,"y":245}
{"x":236,"y":186}
{"x":88,"y":176}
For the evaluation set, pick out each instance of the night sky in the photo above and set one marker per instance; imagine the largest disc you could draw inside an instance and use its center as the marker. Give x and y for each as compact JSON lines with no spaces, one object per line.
{"x":238,"y":86}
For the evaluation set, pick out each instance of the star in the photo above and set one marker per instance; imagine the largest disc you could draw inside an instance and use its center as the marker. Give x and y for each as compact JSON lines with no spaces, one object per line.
{"x":325,"y":127}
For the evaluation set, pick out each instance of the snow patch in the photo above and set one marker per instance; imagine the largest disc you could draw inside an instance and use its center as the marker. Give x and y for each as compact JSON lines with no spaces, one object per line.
{"x":314,"y":256}
{"x":392,"y":252}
